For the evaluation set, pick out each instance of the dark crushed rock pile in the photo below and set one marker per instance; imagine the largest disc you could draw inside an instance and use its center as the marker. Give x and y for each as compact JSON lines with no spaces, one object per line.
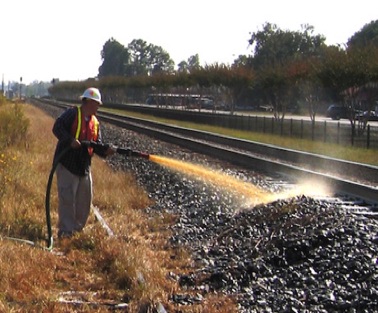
{"x":294,"y":255}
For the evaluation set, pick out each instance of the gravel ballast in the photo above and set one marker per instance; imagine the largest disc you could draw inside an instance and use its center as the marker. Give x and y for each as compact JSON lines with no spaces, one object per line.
{"x":300,"y":254}
{"x":293,"y":255}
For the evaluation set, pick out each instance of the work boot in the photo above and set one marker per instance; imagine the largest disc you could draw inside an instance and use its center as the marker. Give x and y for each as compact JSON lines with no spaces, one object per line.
{"x":64,"y":234}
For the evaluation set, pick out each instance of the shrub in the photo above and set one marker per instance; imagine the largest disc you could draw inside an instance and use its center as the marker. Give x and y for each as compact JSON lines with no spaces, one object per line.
{"x":13,"y":125}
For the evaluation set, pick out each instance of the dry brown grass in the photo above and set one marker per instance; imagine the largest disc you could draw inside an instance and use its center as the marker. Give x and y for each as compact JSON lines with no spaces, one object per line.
{"x":96,"y":268}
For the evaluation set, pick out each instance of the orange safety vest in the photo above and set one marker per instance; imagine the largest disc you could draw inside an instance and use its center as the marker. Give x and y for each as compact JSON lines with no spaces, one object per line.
{"x":82,"y":130}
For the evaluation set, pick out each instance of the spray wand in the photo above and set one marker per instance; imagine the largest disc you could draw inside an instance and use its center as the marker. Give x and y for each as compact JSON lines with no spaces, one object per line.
{"x":123,"y":151}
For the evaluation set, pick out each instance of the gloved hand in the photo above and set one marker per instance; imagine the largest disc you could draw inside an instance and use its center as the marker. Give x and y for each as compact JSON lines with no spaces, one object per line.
{"x":75,"y":144}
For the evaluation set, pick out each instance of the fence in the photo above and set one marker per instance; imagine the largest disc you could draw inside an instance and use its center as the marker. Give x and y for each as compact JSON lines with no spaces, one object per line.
{"x":330,"y":132}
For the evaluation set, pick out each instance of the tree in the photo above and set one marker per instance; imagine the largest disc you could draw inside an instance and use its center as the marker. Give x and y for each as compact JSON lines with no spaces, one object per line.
{"x":114,"y":59}
{"x":193,"y":62}
{"x":147,"y":59}
{"x":139,"y":55}
{"x":368,"y":95}
{"x":242,"y":60}
{"x":225,"y":83}
{"x":160,"y":61}
{"x":190,"y":65}
{"x":273,"y":46}
{"x":368,"y":35}
{"x":183,"y":67}
{"x":276,"y":57}
{"x":345,"y":72}
{"x":306,"y":85}
{"x":275,"y":85}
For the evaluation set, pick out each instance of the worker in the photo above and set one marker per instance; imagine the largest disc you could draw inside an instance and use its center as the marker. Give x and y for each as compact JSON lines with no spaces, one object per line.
{"x":73,"y":171}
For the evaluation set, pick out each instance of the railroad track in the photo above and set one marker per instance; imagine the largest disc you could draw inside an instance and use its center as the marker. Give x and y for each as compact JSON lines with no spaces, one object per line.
{"x":346,"y":179}
{"x":252,"y":156}
{"x":238,"y":251}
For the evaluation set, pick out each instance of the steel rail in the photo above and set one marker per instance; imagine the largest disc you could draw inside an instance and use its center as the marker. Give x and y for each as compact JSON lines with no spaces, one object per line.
{"x":228,"y":149}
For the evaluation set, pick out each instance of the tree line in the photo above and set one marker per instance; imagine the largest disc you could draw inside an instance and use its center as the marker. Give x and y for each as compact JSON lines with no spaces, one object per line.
{"x":286,"y":70}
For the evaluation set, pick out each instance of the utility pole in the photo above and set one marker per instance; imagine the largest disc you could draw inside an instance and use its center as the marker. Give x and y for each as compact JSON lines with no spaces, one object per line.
{"x":20,"y":86}
{"x":2,"y":86}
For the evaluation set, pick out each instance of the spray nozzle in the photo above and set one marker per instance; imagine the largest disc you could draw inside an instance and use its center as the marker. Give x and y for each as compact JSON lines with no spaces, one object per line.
{"x":133,"y":153}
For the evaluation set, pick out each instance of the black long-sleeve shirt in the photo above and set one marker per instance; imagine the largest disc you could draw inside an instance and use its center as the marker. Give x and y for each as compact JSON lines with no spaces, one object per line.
{"x":77,"y":161}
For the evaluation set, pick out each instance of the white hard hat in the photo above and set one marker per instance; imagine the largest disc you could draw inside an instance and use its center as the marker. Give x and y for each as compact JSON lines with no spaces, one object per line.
{"x":92,"y":93}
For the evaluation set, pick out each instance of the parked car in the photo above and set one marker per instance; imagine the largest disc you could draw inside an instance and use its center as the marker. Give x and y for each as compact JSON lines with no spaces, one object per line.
{"x":337,"y":112}
{"x":369,"y":115}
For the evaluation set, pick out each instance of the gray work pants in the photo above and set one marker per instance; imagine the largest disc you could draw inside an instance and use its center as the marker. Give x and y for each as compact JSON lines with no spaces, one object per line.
{"x":75,"y":199}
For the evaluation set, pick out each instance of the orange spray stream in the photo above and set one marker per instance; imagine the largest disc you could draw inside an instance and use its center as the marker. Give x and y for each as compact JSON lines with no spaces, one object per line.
{"x":252,"y":194}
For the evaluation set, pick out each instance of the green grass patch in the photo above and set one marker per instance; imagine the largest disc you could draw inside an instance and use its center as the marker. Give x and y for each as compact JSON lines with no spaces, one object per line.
{"x":348,"y":153}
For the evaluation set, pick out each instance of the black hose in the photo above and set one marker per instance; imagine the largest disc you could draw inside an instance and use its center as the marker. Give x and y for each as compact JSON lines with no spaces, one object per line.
{"x":47,"y":199}
{"x":127,"y":152}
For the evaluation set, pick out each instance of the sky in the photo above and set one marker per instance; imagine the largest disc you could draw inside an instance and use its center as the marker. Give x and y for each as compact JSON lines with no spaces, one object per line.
{"x":44,"y":39}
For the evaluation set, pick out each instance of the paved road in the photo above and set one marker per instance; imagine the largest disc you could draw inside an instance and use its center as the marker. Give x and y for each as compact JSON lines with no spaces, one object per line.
{"x":319,"y":118}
